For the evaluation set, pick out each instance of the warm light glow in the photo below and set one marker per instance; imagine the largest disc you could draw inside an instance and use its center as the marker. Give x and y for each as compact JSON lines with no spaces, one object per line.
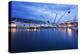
{"x":69,"y":31}
{"x":13,"y":25}
{"x":31,"y":30}
{"x":13,"y":29}
{"x":69,"y":25}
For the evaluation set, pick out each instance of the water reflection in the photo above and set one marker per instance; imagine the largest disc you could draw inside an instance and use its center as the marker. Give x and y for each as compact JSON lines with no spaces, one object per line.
{"x":29,"y":30}
{"x":66,"y":31}
{"x":13,"y":30}
{"x":52,"y":38}
{"x":62,"y":29}
{"x":69,"y":31}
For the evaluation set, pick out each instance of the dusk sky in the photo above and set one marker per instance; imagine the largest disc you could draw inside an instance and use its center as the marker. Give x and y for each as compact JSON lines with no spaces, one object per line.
{"x":44,"y":11}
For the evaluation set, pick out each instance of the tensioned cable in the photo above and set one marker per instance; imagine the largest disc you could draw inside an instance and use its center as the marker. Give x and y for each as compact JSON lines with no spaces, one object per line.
{"x":62,"y":16}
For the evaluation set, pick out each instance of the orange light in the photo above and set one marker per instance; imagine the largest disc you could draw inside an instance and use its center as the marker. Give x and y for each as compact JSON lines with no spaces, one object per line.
{"x":31,"y":30}
{"x":69,"y":25}
{"x":13,"y":29}
{"x":13,"y":25}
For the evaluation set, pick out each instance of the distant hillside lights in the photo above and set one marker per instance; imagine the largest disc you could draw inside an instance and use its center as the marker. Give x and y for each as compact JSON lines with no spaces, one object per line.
{"x":68,"y":24}
{"x":34,"y":25}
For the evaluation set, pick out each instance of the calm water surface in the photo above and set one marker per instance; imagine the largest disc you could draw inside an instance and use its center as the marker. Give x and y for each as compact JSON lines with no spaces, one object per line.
{"x":43,"y":39}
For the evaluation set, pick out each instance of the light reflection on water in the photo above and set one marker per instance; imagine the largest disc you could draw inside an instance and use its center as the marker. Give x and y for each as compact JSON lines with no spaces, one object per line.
{"x":29,"y":30}
{"x":13,"y":30}
{"x":69,"y":31}
{"x":62,"y":29}
{"x":51,"y":38}
{"x":66,"y":30}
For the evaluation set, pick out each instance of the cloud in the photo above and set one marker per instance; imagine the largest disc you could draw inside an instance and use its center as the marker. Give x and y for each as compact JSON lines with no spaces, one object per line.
{"x":44,"y":12}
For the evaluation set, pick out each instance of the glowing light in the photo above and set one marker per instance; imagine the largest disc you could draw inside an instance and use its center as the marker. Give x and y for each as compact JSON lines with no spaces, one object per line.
{"x":31,"y":30}
{"x":13,"y":25}
{"x":69,"y":25}
{"x":13,"y":29}
{"x":69,"y":31}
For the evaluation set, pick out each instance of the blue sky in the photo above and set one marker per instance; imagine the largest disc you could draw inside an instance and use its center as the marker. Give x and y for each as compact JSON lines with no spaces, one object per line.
{"x":44,"y":11}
